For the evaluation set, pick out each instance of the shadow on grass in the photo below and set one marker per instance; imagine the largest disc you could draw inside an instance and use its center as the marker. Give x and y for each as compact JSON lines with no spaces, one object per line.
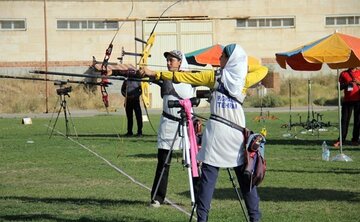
{"x":176,"y":156}
{"x":103,"y":135}
{"x":292,"y":194}
{"x":295,"y":142}
{"x":334,"y":170}
{"x":310,"y":142}
{"x":144,"y":155}
{"x":31,"y":217}
{"x":77,"y":201}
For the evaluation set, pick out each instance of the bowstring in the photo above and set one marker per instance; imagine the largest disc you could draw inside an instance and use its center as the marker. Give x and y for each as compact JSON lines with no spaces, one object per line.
{"x":112,"y":40}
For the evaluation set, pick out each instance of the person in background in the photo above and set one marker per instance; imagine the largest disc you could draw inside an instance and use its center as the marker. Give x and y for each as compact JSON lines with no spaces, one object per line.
{"x":222,"y":142}
{"x":176,"y":62}
{"x":350,"y":83}
{"x":131,"y":90}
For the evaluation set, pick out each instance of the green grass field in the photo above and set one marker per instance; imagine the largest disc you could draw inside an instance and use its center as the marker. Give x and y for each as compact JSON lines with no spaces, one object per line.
{"x":102,"y":177}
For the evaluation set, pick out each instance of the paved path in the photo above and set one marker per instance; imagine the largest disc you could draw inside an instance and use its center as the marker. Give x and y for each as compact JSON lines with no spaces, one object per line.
{"x":86,"y":113}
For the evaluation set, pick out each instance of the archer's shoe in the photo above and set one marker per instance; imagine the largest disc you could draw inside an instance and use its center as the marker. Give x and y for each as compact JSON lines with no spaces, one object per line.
{"x":337,"y":144}
{"x":129,"y":135}
{"x":354,"y":143}
{"x":139,"y":135}
{"x":155,"y":204}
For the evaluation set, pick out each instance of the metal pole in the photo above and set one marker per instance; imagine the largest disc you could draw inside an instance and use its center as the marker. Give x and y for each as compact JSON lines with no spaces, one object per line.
{"x":290,"y":121}
{"x":46,"y":61}
{"x":341,"y":156}
{"x":339,"y":112}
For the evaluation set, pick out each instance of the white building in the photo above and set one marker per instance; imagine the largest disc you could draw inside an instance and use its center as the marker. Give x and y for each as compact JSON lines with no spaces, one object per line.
{"x":64,"y":35}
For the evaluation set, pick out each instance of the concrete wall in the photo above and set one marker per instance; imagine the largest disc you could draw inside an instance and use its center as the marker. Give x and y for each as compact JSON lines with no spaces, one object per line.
{"x":67,"y":46}
{"x":72,"y":50}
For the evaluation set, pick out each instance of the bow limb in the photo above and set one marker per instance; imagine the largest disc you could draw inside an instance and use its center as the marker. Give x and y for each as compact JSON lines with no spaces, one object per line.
{"x":105,"y":62}
{"x":143,"y":62}
{"x":104,"y":72}
{"x":145,"y":94}
{"x":145,"y":55}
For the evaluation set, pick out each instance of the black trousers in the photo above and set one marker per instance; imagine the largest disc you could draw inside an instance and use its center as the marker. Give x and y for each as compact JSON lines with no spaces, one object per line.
{"x":206,"y":190}
{"x":162,"y":189}
{"x":347,"y":109}
{"x":161,"y":192}
{"x":133,"y":105}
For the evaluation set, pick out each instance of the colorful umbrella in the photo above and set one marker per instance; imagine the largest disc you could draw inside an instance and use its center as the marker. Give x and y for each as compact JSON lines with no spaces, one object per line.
{"x":205,"y":56}
{"x":338,"y":51}
{"x":210,"y":56}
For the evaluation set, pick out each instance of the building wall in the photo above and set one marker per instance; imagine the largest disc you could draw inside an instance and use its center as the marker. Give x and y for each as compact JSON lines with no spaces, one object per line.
{"x":28,"y":46}
{"x":72,"y":50}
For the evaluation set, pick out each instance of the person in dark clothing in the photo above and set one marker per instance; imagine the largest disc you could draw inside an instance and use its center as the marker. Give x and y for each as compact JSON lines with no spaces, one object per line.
{"x":350,"y":83}
{"x":131,"y":90}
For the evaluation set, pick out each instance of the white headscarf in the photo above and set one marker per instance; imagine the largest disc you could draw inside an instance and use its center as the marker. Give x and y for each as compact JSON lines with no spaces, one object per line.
{"x":235,"y":71}
{"x":184,"y":64}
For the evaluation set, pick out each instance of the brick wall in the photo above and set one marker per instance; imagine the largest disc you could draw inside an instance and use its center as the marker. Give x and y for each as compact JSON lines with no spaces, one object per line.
{"x":272,"y":81}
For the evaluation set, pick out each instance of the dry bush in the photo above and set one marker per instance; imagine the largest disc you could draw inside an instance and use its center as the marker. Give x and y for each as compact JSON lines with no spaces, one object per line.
{"x":24,"y":96}
{"x":323,"y":92}
{"x":323,"y":88}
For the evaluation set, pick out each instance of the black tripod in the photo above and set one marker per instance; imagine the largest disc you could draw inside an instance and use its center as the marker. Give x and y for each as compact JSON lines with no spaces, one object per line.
{"x":62,"y":93}
{"x":183,"y":134}
{"x":311,"y":123}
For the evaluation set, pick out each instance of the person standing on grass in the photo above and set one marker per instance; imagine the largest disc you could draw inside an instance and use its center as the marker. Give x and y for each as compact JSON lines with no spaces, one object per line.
{"x":176,"y":62}
{"x":350,"y":83}
{"x":222,"y":142}
{"x":131,"y":90}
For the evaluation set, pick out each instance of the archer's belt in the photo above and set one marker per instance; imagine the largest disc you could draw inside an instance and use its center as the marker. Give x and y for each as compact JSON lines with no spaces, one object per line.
{"x":169,"y":116}
{"x":227,"y":122}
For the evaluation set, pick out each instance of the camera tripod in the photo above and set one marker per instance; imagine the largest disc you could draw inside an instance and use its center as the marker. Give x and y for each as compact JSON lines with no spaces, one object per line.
{"x":184,"y":144}
{"x":62,"y":93}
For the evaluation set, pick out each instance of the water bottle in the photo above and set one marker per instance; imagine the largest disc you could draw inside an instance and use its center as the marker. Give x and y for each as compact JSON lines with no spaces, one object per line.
{"x":325,"y":152}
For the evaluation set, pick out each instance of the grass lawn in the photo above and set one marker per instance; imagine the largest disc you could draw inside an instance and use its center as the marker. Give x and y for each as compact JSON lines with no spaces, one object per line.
{"x":102,"y":177}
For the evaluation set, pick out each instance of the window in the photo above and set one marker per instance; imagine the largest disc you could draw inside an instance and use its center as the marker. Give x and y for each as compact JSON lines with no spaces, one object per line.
{"x":270,"y":22}
{"x":18,"y":24}
{"x":87,"y":25}
{"x":342,"y":20}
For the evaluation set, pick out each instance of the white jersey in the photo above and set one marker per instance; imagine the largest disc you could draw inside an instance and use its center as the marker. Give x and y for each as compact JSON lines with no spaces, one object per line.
{"x":168,"y":128}
{"x":222,"y":145}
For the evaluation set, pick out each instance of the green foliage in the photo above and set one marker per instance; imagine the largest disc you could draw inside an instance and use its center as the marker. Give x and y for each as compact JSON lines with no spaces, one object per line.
{"x":58,"y":179}
{"x":320,"y":101}
{"x":269,"y":100}
{"x":331,"y":102}
{"x":322,"y":89}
